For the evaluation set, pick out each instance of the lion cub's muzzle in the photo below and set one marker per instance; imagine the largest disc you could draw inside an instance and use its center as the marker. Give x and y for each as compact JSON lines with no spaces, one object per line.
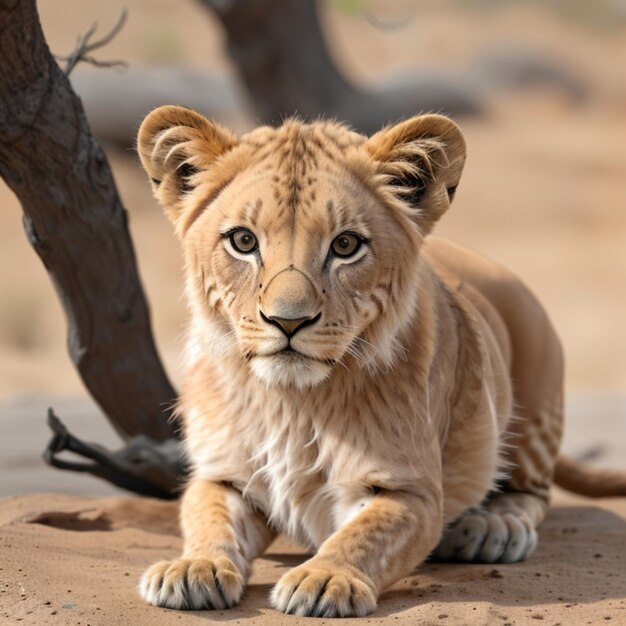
{"x":290,"y":302}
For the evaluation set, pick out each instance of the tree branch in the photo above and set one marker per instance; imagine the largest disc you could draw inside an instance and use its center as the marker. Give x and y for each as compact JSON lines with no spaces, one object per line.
{"x":146,"y":466}
{"x":83,"y":47}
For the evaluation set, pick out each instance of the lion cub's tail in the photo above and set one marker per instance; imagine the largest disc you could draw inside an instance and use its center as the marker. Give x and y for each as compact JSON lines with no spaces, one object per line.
{"x":589,"y":481}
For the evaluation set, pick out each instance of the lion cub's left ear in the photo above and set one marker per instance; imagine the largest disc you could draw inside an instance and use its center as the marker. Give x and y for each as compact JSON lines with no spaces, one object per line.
{"x":174,"y":145}
{"x":423,"y":159}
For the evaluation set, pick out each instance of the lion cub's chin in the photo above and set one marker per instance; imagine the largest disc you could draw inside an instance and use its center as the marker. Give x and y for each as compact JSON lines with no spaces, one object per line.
{"x":290,"y":370}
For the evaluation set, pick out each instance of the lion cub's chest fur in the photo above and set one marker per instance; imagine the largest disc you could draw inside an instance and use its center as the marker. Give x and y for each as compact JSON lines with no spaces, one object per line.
{"x":307,"y":461}
{"x":310,"y":461}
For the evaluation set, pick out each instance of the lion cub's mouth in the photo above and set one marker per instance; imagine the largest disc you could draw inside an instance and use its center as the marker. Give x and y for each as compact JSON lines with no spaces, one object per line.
{"x":290,"y":354}
{"x":288,"y":351}
{"x":288,"y":367}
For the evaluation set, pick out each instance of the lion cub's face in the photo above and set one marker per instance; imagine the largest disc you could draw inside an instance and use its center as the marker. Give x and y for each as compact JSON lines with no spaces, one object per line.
{"x":288,"y":259}
{"x":301,"y":242}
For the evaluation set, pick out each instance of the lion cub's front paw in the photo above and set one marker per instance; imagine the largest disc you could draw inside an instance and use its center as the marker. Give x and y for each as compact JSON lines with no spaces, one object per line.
{"x":319,"y":590}
{"x":192,"y":584}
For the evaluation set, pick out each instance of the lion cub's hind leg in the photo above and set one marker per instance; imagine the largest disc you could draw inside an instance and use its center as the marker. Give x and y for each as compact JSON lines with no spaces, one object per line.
{"x":504,"y":529}
{"x":501,"y":532}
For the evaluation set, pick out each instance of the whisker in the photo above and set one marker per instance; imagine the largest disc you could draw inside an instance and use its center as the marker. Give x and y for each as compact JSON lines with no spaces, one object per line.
{"x":353,"y":351}
{"x":345,"y":367}
{"x":370,"y":345}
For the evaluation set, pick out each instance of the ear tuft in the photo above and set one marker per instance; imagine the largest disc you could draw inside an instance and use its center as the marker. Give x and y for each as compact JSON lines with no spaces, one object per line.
{"x":421,"y":160}
{"x":176,"y":144}
{"x":411,"y":168}
{"x":411,"y":188}
{"x":185,"y":172}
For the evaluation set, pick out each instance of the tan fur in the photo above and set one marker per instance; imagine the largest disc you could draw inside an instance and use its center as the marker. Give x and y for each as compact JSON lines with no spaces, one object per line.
{"x":423,"y":389}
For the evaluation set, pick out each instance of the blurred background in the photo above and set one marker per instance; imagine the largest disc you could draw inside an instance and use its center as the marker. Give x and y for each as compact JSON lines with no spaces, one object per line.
{"x":541,"y":94}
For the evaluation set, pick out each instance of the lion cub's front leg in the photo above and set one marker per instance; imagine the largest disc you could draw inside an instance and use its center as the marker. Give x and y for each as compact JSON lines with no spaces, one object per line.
{"x":221,"y":536}
{"x":390,"y":536}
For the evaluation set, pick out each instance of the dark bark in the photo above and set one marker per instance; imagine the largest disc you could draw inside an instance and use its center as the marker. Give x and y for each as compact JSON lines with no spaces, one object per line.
{"x":279,"y":51}
{"x":77,"y":225}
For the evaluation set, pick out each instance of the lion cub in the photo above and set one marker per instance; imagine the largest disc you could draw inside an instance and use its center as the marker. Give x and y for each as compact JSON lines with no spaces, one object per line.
{"x":349,"y":380}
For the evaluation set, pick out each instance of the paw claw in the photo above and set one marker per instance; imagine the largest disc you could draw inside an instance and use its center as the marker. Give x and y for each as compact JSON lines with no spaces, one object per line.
{"x":323,"y":591}
{"x":192,"y":584}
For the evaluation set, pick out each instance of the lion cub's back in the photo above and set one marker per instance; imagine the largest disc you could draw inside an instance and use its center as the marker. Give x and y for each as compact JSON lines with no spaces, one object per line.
{"x":520,"y":323}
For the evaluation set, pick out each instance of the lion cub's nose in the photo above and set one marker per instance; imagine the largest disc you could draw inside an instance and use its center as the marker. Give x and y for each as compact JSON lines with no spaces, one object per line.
{"x":290,"y":326}
{"x":290,"y":302}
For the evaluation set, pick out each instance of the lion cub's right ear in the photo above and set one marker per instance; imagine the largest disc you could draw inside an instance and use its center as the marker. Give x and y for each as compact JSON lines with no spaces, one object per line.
{"x":175,"y":144}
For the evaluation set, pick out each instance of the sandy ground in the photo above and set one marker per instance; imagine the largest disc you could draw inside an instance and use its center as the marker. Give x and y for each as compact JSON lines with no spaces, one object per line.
{"x":75,"y":560}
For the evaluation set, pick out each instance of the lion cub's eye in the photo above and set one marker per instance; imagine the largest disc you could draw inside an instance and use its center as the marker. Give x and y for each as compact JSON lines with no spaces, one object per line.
{"x":346,"y":244}
{"x":243,"y":241}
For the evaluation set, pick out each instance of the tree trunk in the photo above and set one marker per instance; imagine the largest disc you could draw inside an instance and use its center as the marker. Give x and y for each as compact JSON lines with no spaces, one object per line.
{"x":280,"y":53}
{"x":75,"y":221}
